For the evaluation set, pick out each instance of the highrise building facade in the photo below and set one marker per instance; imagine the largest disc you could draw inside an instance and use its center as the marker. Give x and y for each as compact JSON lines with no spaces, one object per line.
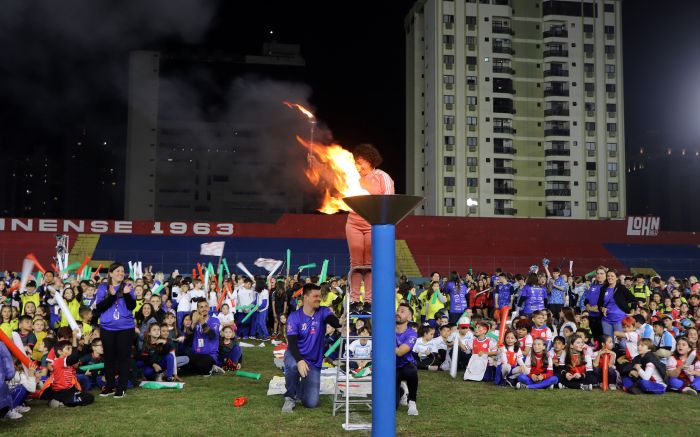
{"x":518,"y":105}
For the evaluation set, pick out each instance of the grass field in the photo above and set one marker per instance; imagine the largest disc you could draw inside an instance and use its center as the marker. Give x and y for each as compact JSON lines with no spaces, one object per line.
{"x":447,"y":408}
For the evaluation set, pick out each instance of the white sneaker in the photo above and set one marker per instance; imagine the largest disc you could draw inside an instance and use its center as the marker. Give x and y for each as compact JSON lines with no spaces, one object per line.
{"x":404,"y":400}
{"x":412,"y":410}
{"x":586,"y":387}
{"x":159,"y":377}
{"x":53,"y":403}
{"x":216,"y":370}
{"x":289,"y":405}
{"x":22,"y":409}
{"x":690,"y":391}
{"x":612,"y":387}
{"x":14,"y":415}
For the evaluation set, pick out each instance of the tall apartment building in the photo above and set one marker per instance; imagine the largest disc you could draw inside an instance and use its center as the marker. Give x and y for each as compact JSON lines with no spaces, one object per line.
{"x":517,"y":104}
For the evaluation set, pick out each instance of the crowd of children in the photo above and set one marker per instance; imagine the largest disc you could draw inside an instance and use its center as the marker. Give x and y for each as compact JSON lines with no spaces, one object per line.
{"x":561,"y":331}
{"x":66,"y":363}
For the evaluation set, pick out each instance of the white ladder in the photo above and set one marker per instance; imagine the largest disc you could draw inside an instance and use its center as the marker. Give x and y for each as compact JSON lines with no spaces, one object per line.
{"x":342,"y":400}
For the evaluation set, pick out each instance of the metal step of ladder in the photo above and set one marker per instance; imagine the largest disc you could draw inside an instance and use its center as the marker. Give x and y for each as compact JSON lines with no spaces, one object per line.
{"x":342,"y":396}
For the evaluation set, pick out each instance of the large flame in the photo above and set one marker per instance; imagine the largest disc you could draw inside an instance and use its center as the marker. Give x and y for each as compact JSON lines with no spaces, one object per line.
{"x":331,"y":168}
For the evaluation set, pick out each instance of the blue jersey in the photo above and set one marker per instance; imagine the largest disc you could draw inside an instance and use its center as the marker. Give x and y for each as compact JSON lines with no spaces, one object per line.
{"x":590,"y":297}
{"x":202,"y":343}
{"x":408,"y":337}
{"x":556,"y":296}
{"x":534,"y":298}
{"x":458,"y":297}
{"x":310,"y":332}
{"x":117,"y":317}
{"x":614,"y":313}
{"x":504,"y":292}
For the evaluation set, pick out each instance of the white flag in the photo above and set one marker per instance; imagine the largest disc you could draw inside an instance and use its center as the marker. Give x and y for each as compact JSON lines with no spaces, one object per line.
{"x":271,"y":265}
{"x":213,"y":249}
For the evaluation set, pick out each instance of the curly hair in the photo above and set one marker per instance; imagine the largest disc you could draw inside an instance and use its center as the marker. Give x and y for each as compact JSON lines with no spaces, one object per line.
{"x":369,"y":153}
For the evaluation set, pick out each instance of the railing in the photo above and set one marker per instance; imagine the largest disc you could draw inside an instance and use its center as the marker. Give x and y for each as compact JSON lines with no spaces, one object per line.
{"x":557,"y":213}
{"x":503,"y":49}
{"x":557,"y":192}
{"x":503,"y":69}
{"x":505,"y":190}
{"x":502,"y":29}
{"x":562,"y":73}
{"x":555,"y":33}
{"x":551,"y":132}
{"x":556,"y":92}
{"x":557,"y":172}
{"x":504,"y":109}
{"x":503,"y":130}
{"x":505,"y":170}
{"x":556,"y":111}
{"x":505,"y":211}
{"x":557,"y":152}
{"x":510,"y":90}
{"x":507,"y":150}
{"x":555,"y":52}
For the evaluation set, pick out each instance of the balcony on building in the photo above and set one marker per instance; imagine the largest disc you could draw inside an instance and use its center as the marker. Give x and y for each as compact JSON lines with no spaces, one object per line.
{"x":557,"y":131}
{"x":503,"y":126}
{"x":503,"y":106}
{"x":504,"y":211}
{"x":557,"y":148}
{"x":555,"y":108}
{"x":501,"y":45}
{"x":503,"y":145}
{"x":558,"y":69}
{"x":505,"y":69}
{"x":501,"y":26}
{"x":504,"y":186}
{"x":503,"y":85}
{"x":557,"y":192}
{"x":558,"y":208}
{"x":556,"y":171}
{"x":556,"y":89}
{"x":555,"y":50}
{"x":556,"y":32}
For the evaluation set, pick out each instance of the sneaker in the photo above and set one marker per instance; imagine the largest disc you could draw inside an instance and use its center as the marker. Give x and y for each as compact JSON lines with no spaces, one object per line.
{"x":216,"y":370}
{"x":14,"y":415}
{"x":520,"y":385}
{"x":551,"y":387}
{"x":106,"y":392}
{"x":687,"y":390}
{"x":22,"y":409}
{"x":159,"y":377}
{"x":119,"y":393}
{"x":586,"y":387}
{"x":612,"y":387}
{"x":560,"y":386}
{"x":433,"y":368}
{"x":404,"y":400}
{"x":289,"y":405}
{"x":53,"y":403}
{"x":412,"y":410}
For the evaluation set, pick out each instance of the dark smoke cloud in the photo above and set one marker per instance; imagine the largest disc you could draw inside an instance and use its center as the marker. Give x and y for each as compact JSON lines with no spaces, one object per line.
{"x":64,"y":59}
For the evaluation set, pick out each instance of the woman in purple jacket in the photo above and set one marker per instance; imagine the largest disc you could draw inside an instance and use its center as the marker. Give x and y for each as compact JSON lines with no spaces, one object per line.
{"x":458,"y":297}
{"x":115,"y":303}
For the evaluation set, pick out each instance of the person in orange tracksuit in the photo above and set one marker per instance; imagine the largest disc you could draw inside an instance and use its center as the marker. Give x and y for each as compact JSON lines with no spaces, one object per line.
{"x":357,"y":230}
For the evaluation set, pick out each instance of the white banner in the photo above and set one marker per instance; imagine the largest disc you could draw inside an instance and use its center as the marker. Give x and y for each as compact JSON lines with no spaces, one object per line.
{"x":213,"y":249}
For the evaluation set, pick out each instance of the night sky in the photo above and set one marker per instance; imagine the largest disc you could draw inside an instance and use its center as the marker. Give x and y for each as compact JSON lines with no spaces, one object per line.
{"x":63,"y":76}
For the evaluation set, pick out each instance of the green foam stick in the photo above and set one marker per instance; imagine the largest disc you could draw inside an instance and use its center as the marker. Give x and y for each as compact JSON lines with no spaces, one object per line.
{"x":250,"y":375}
{"x":73,"y":266}
{"x":289,"y":260}
{"x":211,"y":270}
{"x":221,"y":277}
{"x":362,"y":372}
{"x":158,"y":289}
{"x":333,"y":347}
{"x":324,"y":272}
{"x":590,"y":273}
{"x":434,"y":299}
{"x":161,"y":385}
{"x":96,"y":366}
{"x":39,"y":277}
{"x":307,"y":266}
{"x":226,"y":266}
{"x":492,"y":336}
{"x":245,"y":307}
{"x":255,"y":308}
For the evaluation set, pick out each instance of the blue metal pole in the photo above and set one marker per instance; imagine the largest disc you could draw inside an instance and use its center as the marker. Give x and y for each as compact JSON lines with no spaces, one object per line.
{"x":383,"y":331}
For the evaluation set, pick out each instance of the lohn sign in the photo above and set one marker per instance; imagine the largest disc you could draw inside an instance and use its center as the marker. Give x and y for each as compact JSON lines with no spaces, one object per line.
{"x":127,"y":227}
{"x":647,"y":226}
